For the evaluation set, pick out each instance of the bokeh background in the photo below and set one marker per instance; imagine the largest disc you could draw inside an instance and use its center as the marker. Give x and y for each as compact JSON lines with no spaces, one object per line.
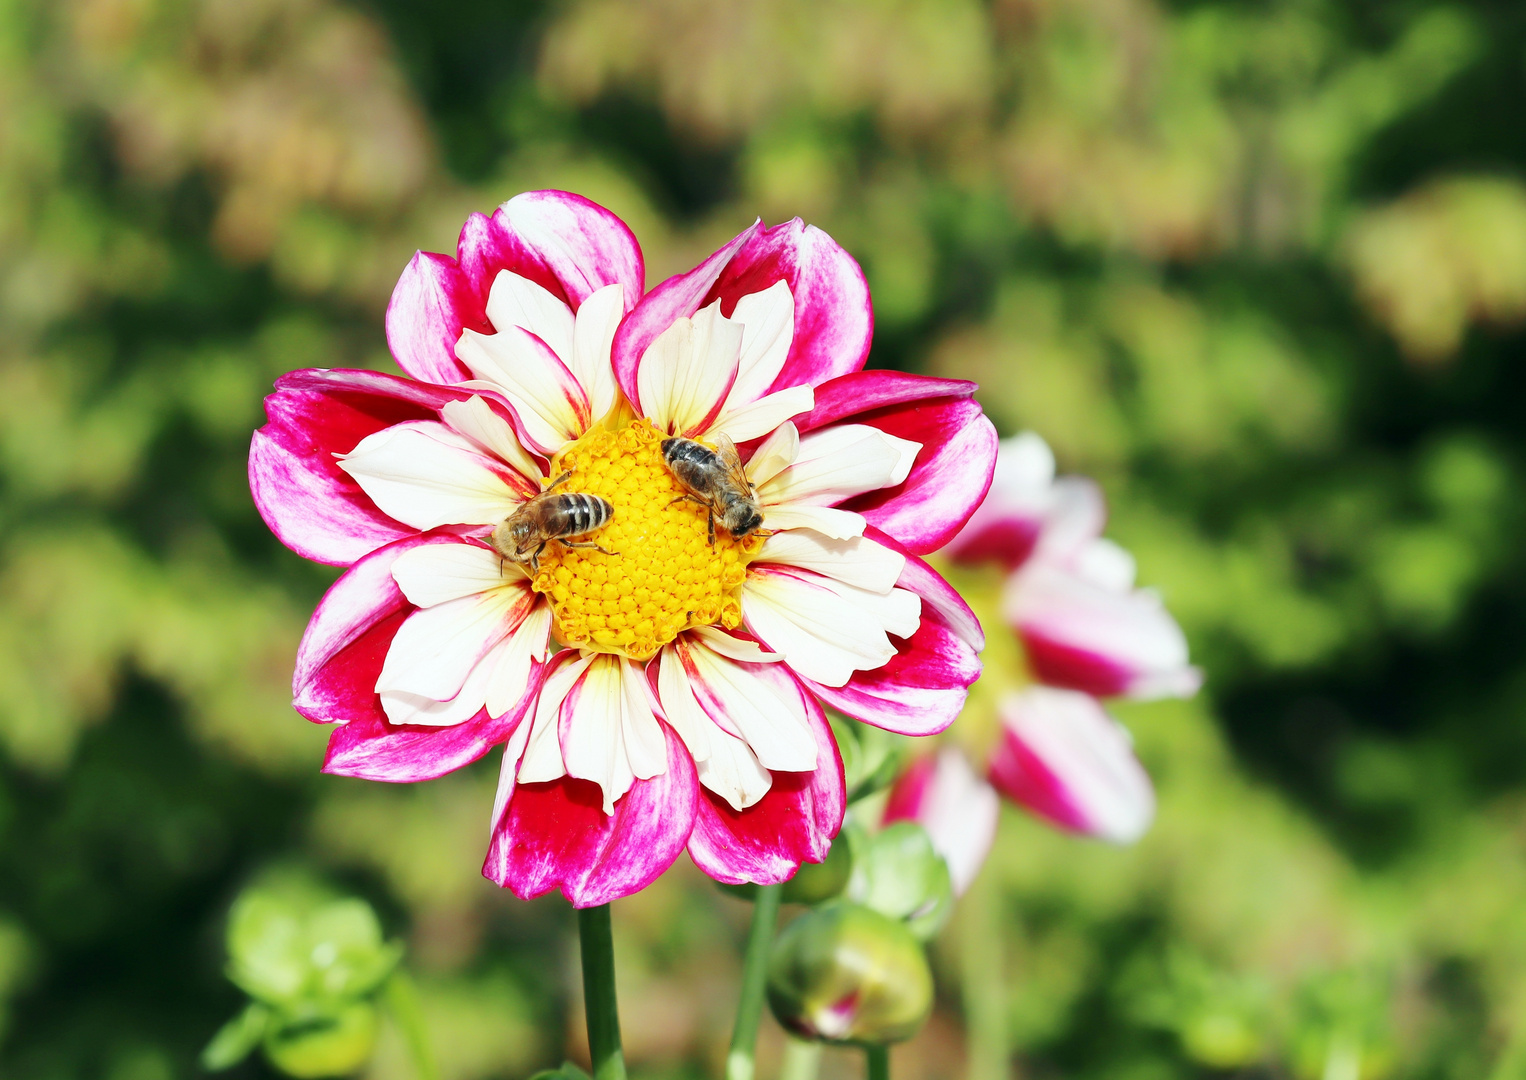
{"x":1257,"y":265}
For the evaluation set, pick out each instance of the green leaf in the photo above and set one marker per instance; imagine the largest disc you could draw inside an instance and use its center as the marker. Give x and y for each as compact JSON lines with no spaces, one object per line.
{"x":235,"y":1039}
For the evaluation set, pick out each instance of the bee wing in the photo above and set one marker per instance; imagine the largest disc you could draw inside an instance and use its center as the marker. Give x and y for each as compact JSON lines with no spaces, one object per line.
{"x":726,"y":450}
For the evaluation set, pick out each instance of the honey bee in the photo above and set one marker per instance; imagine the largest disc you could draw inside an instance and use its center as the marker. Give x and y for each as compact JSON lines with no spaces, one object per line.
{"x":524,"y":534}
{"x":716,"y":481}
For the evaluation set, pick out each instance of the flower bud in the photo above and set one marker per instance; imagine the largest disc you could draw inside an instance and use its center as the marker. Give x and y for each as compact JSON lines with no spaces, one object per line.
{"x":323,"y":1044}
{"x":816,"y":883}
{"x":898,"y":873}
{"x":847,"y":973}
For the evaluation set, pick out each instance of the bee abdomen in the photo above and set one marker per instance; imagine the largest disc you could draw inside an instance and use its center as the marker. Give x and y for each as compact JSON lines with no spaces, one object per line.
{"x":692,"y":462}
{"x":582,"y":513}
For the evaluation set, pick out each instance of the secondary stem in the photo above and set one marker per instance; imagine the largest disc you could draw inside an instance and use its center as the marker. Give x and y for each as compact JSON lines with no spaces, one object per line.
{"x":984,"y":981}
{"x":404,"y":1000}
{"x":879,"y":1062}
{"x":741,"y":1061}
{"x":802,"y":1060}
{"x":598,"y":947}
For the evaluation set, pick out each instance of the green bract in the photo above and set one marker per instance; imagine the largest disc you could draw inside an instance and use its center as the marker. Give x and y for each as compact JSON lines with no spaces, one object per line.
{"x":897,"y":872}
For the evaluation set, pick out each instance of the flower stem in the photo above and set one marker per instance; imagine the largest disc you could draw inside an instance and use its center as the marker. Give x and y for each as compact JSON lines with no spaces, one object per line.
{"x":403,"y":999}
{"x":740,"y":1062}
{"x":879,"y":1062}
{"x":802,"y":1060}
{"x":598,"y":948}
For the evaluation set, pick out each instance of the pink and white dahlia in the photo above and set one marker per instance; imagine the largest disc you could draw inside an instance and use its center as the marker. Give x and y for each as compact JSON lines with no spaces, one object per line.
{"x":664,"y":692}
{"x":1086,"y":632}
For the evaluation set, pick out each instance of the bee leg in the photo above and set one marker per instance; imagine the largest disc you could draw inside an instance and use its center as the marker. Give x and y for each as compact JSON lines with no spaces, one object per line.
{"x":712,"y":528}
{"x":695,"y":499}
{"x":535,"y":559}
{"x":588,"y":544}
{"x":559,"y":481}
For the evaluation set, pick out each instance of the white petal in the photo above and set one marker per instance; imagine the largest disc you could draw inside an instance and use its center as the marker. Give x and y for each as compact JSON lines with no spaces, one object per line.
{"x":543,"y":754}
{"x":762,"y":416}
{"x":960,"y":817}
{"x":825,"y":629}
{"x":434,"y":573}
{"x":827,"y":520}
{"x":768,"y":329}
{"x":405,"y":708}
{"x":1075,"y":517}
{"x":1104,"y":563}
{"x":733,"y":772}
{"x":839,"y":462}
{"x":749,"y":652}
{"x":547,"y":397}
{"x":724,"y":763}
{"x":598,"y":319}
{"x":609,"y":732}
{"x":679,"y":707}
{"x":777,"y":730}
{"x":437,"y":647}
{"x":518,"y":301}
{"x":511,"y":670}
{"x":475,"y":419}
{"x":856,"y":561}
{"x":507,"y":769}
{"x":425,"y":475}
{"x":687,"y":371}
{"x":774,"y":454}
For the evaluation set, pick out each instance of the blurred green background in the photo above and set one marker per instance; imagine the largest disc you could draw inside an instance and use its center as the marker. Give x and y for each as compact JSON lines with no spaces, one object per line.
{"x":1257,"y":265}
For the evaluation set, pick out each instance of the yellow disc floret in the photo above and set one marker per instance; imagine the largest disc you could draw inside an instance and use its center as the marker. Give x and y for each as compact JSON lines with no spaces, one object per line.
{"x":661,"y":575}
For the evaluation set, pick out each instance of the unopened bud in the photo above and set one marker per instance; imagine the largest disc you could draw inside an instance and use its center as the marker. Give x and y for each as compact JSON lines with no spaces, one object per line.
{"x":846,"y":973}
{"x":816,"y":883}
{"x":898,"y":873}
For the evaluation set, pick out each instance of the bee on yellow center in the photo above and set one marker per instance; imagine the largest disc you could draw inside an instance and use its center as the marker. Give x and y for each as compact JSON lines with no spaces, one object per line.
{"x":658,"y":574}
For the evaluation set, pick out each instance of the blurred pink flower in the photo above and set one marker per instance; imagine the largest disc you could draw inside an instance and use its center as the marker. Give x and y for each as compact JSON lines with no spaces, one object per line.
{"x":957,"y":808}
{"x":1064,"y":758}
{"x":1086,"y":632}
{"x":683,"y":709}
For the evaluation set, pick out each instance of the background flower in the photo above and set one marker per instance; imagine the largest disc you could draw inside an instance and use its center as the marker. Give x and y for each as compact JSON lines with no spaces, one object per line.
{"x":1086,"y":633}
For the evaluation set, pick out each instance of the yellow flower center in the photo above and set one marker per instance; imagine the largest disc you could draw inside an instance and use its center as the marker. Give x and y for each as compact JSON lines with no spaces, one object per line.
{"x":661,"y":575}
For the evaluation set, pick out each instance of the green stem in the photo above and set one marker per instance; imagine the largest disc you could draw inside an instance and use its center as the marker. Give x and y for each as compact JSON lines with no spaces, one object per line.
{"x":802,"y":1060}
{"x":740,"y":1062}
{"x":403,"y":999}
{"x":879,"y":1062}
{"x":598,"y":947}
{"x":984,"y":982}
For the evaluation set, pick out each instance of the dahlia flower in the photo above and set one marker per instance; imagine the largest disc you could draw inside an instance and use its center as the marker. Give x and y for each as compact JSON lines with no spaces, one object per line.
{"x":1086,"y":632}
{"x":666,"y":691}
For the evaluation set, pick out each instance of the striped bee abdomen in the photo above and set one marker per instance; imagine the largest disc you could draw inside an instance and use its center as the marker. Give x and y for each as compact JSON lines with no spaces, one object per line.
{"x":576,"y":514}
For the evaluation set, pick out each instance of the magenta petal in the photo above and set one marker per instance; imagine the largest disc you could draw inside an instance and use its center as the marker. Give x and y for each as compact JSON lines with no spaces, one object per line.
{"x":556,"y":834}
{"x":372,"y":749}
{"x":794,"y":823}
{"x":347,"y":638}
{"x":953,"y":469}
{"x":834,"y":320}
{"x":938,"y":596}
{"x":563,"y":242}
{"x":312,"y":505}
{"x":919,"y":691}
{"x":576,"y":243}
{"x":678,"y":297}
{"x":1065,"y":759}
{"x":431,"y":303}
